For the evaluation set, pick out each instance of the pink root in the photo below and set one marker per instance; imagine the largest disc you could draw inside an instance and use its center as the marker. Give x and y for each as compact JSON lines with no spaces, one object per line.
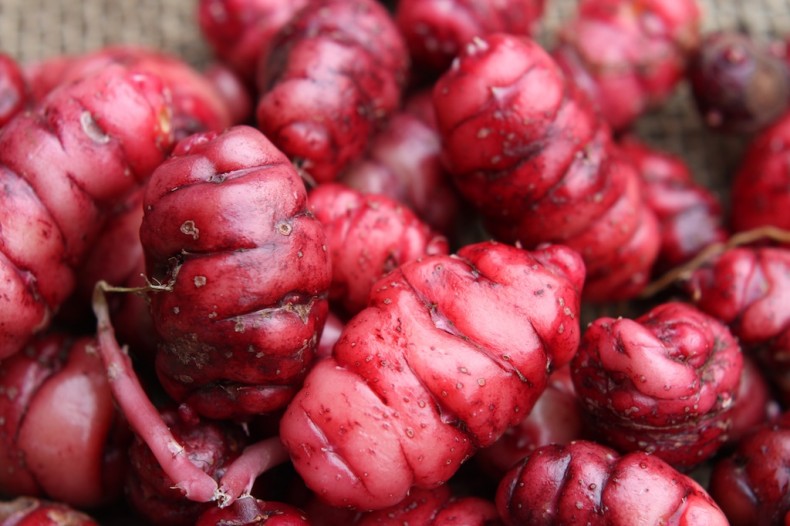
{"x":242,"y":472}
{"x":141,"y":414}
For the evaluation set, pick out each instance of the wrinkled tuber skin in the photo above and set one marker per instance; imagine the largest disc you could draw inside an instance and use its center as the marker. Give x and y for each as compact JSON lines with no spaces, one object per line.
{"x":239,"y":31}
{"x":532,"y":155}
{"x":589,"y":484}
{"x":762,"y":180}
{"x":62,"y":165}
{"x":209,"y":445}
{"x":689,"y":216}
{"x":747,"y":288}
{"x":434,"y":507}
{"x":661,"y":383}
{"x":450,"y":352}
{"x":368,"y":235}
{"x":739,"y":85}
{"x":13,"y":89}
{"x":226,"y":228}
{"x":28,"y":511}
{"x":436,"y":30}
{"x":60,"y":435}
{"x":197,"y":106}
{"x":750,"y":485}
{"x":249,"y":511}
{"x":331,"y":78}
{"x":628,"y":55}
{"x":403,"y":162}
{"x":556,"y":418}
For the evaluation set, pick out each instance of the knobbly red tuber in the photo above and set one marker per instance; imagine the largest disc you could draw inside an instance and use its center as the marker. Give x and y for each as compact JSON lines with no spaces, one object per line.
{"x":689,"y":216}
{"x":27,"y":511}
{"x":437,"y":30}
{"x":239,"y":31}
{"x":527,"y":149}
{"x":367,"y":236}
{"x":60,"y":435}
{"x":750,"y":484}
{"x":587,"y":483}
{"x":226,"y":229}
{"x":249,"y":511}
{"x":13,"y":89}
{"x":403,"y":162}
{"x":329,"y":79}
{"x":450,"y":352}
{"x":62,"y":166}
{"x":628,"y":55}
{"x":762,"y":180}
{"x":661,"y":383}
{"x":739,"y":85}
{"x":747,"y":288}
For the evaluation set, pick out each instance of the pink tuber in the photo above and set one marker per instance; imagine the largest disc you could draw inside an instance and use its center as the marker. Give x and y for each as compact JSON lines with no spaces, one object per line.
{"x":530,"y":153}
{"x":249,"y":511}
{"x":661,"y":383}
{"x":14,"y":93}
{"x":329,"y":79}
{"x":629,"y":55}
{"x":450,"y":352}
{"x":587,"y":483}
{"x":367,"y":236}
{"x":62,"y":166}
{"x":28,"y":511}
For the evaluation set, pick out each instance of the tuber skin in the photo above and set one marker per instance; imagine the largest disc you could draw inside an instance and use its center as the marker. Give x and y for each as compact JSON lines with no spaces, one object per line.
{"x":210,"y":445}
{"x":690,"y":217}
{"x":750,"y":485}
{"x":747,"y":288}
{"x":403,"y":162}
{"x":530,"y":153}
{"x":29,"y":511}
{"x":228,"y":212}
{"x":628,"y":55}
{"x":761,"y":180}
{"x":556,"y":418}
{"x":197,"y":105}
{"x":367,"y":236}
{"x":330,"y":79}
{"x":60,"y":436}
{"x":662,"y":383}
{"x":755,"y":403}
{"x":436,"y":30}
{"x":239,"y":31}
{"x":14,"y":93}
{"x":230,"y":87}
{"x":739,"y":86}
{"x":63,"y":165}
{"x":249,"y":511}
{"x":448,"y":354}
{"x":585,"y":483}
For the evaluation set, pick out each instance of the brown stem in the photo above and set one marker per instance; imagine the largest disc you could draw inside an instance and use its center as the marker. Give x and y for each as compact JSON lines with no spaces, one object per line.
{"x":685,"y":270}
{"x":141,"y":414}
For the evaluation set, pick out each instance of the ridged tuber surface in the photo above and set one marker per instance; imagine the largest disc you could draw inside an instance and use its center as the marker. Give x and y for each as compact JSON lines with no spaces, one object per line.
{"x":239,"y":31}
{"x":62,"y":165}
{"x":750,"y":484}
{"x":762,"y":181}
{"x":28,"y":511}
{"x":628,"y":55}
{"x":331,"y":77}
{"x":584,"y":483}
{"x":61,"y":438}
{"x":227,"y":230}
{"x":368,"y":235}
{"x":661,"y":383}
{"x":450,"y":352}
{"x":437,"y":30}
{"x":530,"y":153}
{"x":738,"y":84}
{"x":690,"y":217}
{"x":747,"y":288}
